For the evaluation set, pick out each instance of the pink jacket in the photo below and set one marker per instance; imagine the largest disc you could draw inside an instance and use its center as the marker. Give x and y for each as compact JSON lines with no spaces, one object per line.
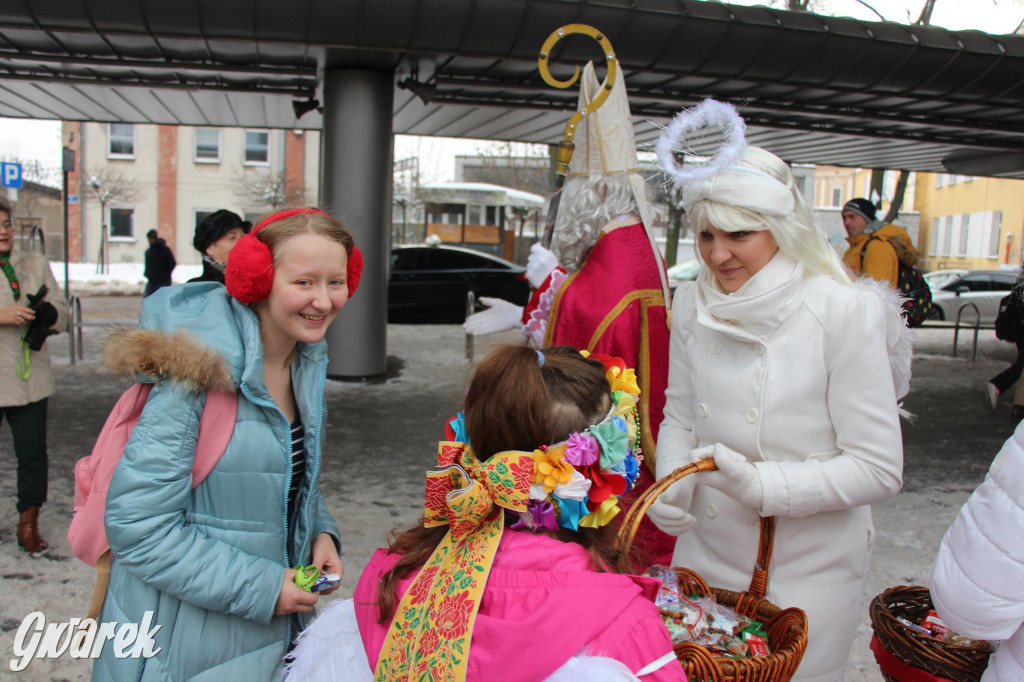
{"x":542,"y":605}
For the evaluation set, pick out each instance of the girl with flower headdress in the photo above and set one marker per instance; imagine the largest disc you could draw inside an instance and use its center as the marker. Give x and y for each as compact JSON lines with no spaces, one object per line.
{"x":514,"y":572}
{"x":788,"y":373}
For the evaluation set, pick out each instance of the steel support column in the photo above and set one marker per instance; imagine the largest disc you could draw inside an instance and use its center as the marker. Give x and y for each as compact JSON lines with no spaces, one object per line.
{"x":356,"y":185}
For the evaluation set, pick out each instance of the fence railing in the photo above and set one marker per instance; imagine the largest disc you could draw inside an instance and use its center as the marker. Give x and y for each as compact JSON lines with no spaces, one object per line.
{"x":75,"y":329}
{"x":976,"y":326}
{"x":470,"y":309}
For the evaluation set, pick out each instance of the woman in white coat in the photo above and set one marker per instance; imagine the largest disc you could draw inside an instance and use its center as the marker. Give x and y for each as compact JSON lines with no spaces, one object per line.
{"x":788,"y":374}
{"x":977,"y":582}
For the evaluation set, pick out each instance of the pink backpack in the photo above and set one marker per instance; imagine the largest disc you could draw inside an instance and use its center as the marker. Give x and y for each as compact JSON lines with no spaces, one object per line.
{"x":87,"y":535}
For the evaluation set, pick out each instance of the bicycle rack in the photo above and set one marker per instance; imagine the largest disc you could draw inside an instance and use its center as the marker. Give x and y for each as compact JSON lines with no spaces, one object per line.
{"x":470,"y":309}
{"x":977,"y":325}
{"x":75,"y":328}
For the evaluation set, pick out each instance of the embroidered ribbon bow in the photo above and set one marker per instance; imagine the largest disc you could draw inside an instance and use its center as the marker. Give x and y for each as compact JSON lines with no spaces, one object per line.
{"x":430,"y":635}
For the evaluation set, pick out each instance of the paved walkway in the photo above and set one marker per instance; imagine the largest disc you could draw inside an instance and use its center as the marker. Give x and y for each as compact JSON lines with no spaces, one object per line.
{"x":381,"y":438}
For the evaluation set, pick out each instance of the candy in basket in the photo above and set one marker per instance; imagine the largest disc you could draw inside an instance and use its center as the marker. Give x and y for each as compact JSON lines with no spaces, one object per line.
{"x":785,"y":630}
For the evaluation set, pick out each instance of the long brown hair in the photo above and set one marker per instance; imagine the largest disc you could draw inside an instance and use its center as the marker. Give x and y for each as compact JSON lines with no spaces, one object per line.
{"x":516,"y":402}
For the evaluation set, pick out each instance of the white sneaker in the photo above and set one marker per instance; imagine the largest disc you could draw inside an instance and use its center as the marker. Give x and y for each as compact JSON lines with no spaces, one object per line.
{"x":993,"y":394}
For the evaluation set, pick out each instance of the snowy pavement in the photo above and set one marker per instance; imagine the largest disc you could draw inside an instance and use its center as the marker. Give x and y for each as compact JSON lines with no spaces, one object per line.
{"x":381,"y":438}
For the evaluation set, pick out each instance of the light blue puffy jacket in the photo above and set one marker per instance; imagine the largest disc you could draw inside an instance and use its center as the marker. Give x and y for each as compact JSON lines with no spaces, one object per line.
{"x":209,"y":561}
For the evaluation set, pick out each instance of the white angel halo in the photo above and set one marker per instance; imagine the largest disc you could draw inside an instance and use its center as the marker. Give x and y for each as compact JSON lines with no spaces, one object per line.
{"x":708,"y":115}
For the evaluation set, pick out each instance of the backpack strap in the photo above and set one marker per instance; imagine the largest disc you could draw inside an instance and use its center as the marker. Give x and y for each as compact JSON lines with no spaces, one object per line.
{"x":216,"y":425}
{"x":215,"y":428}
{"x":865,"y":250}
{"x":99,"y":590}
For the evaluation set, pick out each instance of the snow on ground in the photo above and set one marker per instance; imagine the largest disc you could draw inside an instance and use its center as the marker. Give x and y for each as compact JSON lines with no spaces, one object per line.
{"x":121,"y":279}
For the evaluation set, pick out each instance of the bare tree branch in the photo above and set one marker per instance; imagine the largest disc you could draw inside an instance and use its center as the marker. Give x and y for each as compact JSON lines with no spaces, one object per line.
{"x":872,"y":9}
{"x":265,"y":191}
{"x":104,"y":186}
{"x":514,"y":164}
{"x":925,"y":18}
{"x":110,"y":184}
{"x":897,"y":197}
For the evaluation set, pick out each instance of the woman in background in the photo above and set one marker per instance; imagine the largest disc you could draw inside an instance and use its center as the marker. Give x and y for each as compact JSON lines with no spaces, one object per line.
{"x":26,"y":379}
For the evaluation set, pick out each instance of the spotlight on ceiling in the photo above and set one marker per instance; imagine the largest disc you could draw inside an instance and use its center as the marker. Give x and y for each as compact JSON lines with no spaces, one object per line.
{"x":425,"y":91}
{"x":303,"y":107}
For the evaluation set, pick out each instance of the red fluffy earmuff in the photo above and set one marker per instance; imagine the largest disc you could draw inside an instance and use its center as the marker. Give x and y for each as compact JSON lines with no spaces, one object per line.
{"x":250,"y":270}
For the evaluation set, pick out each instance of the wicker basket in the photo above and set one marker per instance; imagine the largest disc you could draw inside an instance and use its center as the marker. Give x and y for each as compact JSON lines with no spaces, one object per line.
{"x":933,"y":655}
{"x":786,"y":628}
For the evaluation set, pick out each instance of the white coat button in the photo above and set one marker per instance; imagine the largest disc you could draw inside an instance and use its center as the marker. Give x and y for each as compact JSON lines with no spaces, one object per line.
{"x":702,"y":409}
{"x":751,"y":415}
{"x":758,"y":350}
{"x":712,"y":511}
{"x":716,"y":348}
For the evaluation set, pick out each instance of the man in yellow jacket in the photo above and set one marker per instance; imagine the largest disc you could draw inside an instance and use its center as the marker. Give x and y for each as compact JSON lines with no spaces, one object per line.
{"x":875,"y":251}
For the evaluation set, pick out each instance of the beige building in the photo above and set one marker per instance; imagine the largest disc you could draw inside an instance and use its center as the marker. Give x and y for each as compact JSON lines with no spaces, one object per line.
{"x":970,"y":222}
{"x":176,"y":175}
{"x":37,"y":209}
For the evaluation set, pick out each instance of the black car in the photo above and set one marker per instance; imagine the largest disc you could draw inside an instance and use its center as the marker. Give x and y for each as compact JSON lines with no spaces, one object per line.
{"x":430,"y":283}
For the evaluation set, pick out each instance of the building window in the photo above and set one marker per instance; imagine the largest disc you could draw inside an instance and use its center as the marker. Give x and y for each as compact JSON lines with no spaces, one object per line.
{"x":965,"y":234}
{"x":202,"y":214}
{"x":947,"y":236}
{"x":995,"y":231}
{"x":121,"y":224}
{"x":207,"y":145}
{"x":121,"y":141}
{"x":257,"y":147}
{"x":935,"y":236}
{"x":837,"y":195}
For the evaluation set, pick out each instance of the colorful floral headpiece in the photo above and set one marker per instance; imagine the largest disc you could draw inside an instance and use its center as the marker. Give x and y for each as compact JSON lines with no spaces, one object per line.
{"x":565,"y":485}
{"x":577,"y":482}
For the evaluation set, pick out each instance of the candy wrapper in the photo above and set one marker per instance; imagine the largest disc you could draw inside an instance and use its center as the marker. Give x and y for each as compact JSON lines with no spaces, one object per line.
{"x":668,"y":595}
{"x":932,"y":625}
{"x":719,"y":629}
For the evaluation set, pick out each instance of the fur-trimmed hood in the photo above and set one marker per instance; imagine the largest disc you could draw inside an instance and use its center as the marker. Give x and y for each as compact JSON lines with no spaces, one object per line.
{"x":156,"y":355}
{"x":896,"y":236}
{"x":197,"y":334}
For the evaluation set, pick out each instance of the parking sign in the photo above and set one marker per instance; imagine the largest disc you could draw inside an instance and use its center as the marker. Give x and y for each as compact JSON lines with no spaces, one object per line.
{"x":10,"y":175}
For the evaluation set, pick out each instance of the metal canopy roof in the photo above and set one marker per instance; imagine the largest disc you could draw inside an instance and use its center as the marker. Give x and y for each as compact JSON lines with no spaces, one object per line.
{"x":813,"y":89}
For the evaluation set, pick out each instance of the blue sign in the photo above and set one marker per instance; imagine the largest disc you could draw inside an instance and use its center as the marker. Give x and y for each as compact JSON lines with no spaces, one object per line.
{"x":72,"y":198}
{"x":10,"y":175}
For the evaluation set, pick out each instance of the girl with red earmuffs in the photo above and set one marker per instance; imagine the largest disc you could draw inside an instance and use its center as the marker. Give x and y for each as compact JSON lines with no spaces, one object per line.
{"x":213,"y":563}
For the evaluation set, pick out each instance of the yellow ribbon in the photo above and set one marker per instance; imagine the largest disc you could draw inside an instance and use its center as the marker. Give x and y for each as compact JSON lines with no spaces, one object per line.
{"x":430,"y":635}
{"x":603,"y":514}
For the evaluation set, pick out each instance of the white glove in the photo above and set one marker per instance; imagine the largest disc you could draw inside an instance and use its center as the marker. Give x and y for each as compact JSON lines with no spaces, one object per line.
{"x":668,"y":512}
{"x":736,"y":477}
{"x":539,"y":265}
{"x":499,"y":316}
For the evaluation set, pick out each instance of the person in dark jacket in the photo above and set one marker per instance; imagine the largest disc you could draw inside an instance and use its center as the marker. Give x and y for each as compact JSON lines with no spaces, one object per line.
{"x":159,"y":263}
{"x":215,"y":237}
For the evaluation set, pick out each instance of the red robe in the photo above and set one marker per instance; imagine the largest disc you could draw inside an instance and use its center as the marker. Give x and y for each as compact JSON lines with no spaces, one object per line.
{"x":615,"y":305}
